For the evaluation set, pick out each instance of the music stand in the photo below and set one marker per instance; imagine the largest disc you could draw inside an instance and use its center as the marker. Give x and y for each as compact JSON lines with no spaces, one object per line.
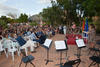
{"x":47,"y":45}
{"x":80,"y":43}
{"x":61,"y":46}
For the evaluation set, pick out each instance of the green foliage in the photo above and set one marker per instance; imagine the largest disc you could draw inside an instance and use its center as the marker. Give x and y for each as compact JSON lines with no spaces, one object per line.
{"x":91,"y":7}
{"x":23,"y":18}
{"x":33,"y":24}
{"x":3,"y":24}
{"x":97,"y":24}
{"x":63,"y":11}
{"x":6,"y":19}
{"x":47,"y":23}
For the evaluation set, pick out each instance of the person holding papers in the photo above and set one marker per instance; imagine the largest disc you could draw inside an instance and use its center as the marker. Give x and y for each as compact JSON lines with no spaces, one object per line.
{"x":91,"y":35}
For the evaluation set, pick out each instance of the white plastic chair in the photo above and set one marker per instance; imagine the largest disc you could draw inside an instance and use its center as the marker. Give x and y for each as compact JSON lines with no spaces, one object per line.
{"x":3,"y":49}
{"x":29,"y":43}
{"x":12,"y":48}
{"x":26,"y":49}
{"x":32,"y":45}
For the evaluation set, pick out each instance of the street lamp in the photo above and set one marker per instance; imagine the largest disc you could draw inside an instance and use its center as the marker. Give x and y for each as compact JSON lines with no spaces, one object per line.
{"x":80,"y":13}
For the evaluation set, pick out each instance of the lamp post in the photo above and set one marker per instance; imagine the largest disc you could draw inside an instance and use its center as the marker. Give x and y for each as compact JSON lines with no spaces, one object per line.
{"x":80,"y":13}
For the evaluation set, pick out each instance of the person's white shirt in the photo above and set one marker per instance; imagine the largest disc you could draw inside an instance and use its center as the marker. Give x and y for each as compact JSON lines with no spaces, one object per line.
{"x":64,"y":29}
{"x":32,"y":36}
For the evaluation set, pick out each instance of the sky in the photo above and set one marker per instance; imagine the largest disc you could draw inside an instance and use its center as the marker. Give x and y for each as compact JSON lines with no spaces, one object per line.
{"x":30,"y":7}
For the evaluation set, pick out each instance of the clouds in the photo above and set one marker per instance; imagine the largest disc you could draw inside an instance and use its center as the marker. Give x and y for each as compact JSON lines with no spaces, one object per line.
{"x":29,"y":7}
{"x":44,"y":1}
{"x":2,"y":1}
{"x":4,"y":10}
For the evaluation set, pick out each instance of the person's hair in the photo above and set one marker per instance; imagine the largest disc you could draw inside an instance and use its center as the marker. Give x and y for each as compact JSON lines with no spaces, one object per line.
{"x":0,"y":38}
{"x":0,"y":33}
{"x":92,"y":26}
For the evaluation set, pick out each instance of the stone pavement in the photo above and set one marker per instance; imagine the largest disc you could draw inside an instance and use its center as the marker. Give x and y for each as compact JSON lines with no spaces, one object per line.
{"x":40,"y":55}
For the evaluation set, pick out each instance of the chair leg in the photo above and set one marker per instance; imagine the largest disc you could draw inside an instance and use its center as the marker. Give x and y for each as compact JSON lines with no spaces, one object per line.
{"x":13,"y":56}
{"x":91,"y":64}
{"x":97,"y":65}
{"x":20,"y":64}
{"x":32,"y":48}
{"x":6,"y":53}
{"x":26,"y":65}
{"x":78,"y":64}
{"x":26,"y":51}
{"x":89,"y":51}
{"x":32,"y":64}
{"x":18,"y":52}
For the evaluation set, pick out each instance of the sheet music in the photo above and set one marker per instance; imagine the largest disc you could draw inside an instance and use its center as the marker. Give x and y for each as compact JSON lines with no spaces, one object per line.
{"x":60,"y":45}
{"x":47,"y":43}
{"x":80,"y":43}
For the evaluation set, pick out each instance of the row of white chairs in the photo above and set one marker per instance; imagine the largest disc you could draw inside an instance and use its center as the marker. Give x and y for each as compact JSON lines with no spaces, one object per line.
{"x":13,"y":47}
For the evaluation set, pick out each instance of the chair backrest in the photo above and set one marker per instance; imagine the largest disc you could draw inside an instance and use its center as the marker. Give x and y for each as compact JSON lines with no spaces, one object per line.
{"x":95,"y":59}
{"x":25,"y":58}
{"x":10,"y":44}
{"x":1,"y":46}
{"x":72,"y":62}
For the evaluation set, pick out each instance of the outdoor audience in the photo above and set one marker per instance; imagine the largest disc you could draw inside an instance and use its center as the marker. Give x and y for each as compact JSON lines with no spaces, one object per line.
{"x":26,"y":36}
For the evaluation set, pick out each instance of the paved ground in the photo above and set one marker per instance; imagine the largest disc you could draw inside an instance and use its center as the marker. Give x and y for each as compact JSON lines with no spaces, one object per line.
{"x":40,"y":55}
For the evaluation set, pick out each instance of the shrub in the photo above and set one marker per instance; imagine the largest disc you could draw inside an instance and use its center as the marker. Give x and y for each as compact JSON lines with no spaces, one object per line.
{"x":3,"y":24}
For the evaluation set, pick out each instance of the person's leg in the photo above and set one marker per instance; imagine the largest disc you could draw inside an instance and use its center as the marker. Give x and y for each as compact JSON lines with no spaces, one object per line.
{"x":36,"y":40}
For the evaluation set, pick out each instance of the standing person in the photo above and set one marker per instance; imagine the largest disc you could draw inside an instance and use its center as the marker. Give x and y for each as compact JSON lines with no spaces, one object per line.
{"x":60,"y":29}
{"x":91,"y":35}
{"x":64,"y":29}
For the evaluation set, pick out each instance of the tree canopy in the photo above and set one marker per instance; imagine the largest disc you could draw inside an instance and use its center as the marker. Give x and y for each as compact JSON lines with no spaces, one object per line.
{"x":67,"y":11}
{"x":23,"y":18}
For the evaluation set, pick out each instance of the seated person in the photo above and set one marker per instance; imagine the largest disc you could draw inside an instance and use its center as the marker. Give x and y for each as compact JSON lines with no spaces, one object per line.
{"x":32,"y":36}
{"x":39,"y":33}
{"x":29,"y":32}
{"x":25,"y":44}
{"x":41,"y":37}
{"x":0,"y":40}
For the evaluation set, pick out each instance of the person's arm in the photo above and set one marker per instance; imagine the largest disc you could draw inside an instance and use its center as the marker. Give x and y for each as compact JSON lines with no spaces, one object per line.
{"x":85,"y":32}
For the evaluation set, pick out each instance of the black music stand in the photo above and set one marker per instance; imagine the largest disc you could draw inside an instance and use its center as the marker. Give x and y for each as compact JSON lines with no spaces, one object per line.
{"x":80,"y":43}
{"x":61,"y":46}
{"x":47,"y":45}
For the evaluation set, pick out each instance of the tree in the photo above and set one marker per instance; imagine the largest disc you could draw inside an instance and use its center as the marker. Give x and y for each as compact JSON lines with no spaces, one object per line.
{"x":69,"y":10}
{"x":33,"y":23}
{"x":23,"y":18}
{"x":6,"y":19}
{"x":60,"y":12}
{"x":65,"y":11}
{"x":35,"y":18}
{"x":52,"y":15}
{"x":3,"y":24}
